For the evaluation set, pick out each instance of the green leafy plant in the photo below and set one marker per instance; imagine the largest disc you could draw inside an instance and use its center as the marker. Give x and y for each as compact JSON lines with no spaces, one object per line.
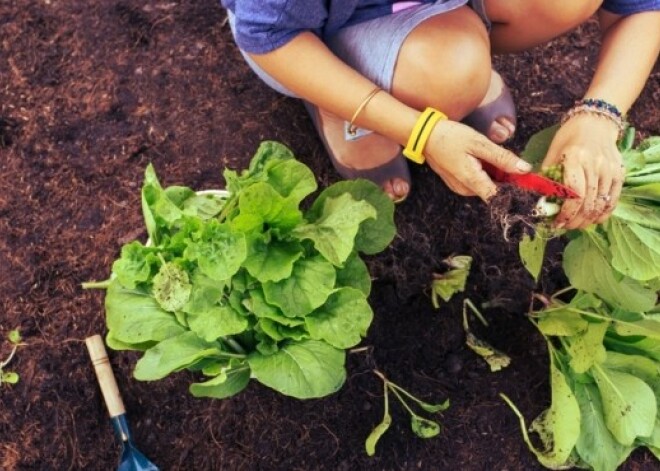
{"x":421,"y":426}
{"x":10,"y":377}
{"x":605,"y":382}
{"x":251,"y":285}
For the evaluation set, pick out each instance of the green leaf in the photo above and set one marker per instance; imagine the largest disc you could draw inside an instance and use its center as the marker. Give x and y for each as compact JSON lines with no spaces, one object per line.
{"x":596,"y":445}
{"x":424,"y":428}
{"x":305,"y":370}
{"x":268,"y":154}
{"x":14,"y":336}
{"x":635,"y":249}
{"x":230,"y":381}
{"x":587,"y":268}
{"x":561,"y":322}
{"x":558,"y":426}
{"x":586,"y":348}
{"x":333,"y":233}
{"x":216,"y":321}
{"x":204,"y":206}
{"x":532,"y":252}
{"x":174,"y":354}
{"x":375,"y":235}
{"x":648,"y":326}
{"x":171,"y":287}
{"x":260,"y":204}
{"x":343,"y":320}
{"x":628,"y":403}
{"x":158,"y":210}
{"x":9,"y":377}
{"x":134,"y":265}
{"x":354,"y":274}
{"x":257,"y":305}
{"x":219,"y":252}
{"x":308,"y":287}
{"x":538,"y":145}
{"x":272,"y":260}
{"x":637,"y":212}
{"x":292,"y":179}
{"x":376,"y":433}
{"x":134,"y":317}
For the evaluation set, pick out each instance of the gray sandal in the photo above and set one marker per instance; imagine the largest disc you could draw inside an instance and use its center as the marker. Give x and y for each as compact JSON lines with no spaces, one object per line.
{"x":483,"y":117}
{"x":395,"y":168}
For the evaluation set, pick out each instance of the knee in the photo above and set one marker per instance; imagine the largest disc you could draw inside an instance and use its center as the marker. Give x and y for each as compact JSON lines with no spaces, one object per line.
{"x":453,"y":75}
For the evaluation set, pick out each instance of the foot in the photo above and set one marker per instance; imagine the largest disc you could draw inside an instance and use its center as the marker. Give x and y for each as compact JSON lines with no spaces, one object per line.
{"x":373,"y":156}
{"x":495,"y":116}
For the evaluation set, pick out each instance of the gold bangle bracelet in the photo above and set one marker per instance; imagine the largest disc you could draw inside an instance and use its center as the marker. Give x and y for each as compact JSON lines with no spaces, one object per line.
{"x":352,"y":128}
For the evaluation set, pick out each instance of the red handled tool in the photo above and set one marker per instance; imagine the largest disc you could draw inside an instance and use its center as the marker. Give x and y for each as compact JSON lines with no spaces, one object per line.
{"x":530,"y":181}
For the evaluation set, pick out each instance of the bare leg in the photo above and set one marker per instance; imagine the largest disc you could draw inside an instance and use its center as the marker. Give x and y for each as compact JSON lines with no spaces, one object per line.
{"x":522,"y":24}
{"x":443,"y":51}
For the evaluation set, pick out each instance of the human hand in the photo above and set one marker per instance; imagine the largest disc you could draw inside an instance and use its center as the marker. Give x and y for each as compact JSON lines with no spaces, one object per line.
{"x":454,"y":151}
{"x":586,"y":147}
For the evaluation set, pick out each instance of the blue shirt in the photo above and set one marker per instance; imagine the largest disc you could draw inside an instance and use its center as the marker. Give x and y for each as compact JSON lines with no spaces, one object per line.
{"x":265,"y":25}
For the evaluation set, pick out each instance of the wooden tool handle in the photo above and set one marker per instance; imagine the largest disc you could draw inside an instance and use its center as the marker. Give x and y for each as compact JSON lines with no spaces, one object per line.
{"x":105,"y":376}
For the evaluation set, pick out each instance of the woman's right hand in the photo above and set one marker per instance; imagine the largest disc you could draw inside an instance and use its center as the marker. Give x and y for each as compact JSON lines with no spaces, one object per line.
{"x":454,"y":151}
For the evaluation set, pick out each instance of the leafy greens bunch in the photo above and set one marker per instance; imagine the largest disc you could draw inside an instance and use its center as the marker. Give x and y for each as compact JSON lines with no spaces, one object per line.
{"x":605,"y":343}
{"x":620,"y":259}
{"x":605,"y":382}
{"x":249,"y":286}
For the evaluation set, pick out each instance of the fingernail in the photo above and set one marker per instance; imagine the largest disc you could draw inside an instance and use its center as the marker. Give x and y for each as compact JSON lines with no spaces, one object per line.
{"x":523,"y":166}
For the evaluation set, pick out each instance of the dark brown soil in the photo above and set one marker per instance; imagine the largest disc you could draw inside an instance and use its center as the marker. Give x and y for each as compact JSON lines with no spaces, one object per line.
{"x":92,"y":91}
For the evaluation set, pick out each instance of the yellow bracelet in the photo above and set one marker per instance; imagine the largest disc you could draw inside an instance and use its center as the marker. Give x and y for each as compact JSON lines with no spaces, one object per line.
{"x":352,"y":128}
{"x":420,"y":134}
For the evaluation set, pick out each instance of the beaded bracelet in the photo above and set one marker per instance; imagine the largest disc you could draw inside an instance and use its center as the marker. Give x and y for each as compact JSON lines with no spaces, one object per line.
{"x":597,"y":107}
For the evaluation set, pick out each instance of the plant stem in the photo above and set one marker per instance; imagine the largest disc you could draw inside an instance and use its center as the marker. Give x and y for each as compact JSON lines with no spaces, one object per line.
{"x":96,"y":284}
{"x":402,"y":401}
{"x":234,"y":345}
{"x":11,"y":355}
{"x":228,"y":207}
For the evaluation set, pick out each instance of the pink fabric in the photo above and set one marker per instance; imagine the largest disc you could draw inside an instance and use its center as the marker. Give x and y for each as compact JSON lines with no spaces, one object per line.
{"x":399,"y":6}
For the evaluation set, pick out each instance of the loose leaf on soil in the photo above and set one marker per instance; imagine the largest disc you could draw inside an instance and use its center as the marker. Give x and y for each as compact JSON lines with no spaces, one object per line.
{"x":447,"y":284}
{"x":494,"y":357}
{"x":376,"y":433}
{"x":304,"y":370}
{"x":424,"y":428}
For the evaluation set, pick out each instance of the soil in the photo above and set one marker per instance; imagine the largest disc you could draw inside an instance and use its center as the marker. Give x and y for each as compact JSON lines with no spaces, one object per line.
{"x":90,"y":92}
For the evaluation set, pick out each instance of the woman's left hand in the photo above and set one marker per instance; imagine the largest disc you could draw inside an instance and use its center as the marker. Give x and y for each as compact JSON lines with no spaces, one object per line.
{"x":586,"y":146}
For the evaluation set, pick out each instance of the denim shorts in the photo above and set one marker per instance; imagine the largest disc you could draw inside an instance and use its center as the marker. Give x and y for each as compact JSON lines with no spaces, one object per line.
{"x":372,"y":47}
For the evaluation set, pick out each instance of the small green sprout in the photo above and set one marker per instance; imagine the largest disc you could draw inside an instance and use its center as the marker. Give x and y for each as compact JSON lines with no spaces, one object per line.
{"x":10,"y":377}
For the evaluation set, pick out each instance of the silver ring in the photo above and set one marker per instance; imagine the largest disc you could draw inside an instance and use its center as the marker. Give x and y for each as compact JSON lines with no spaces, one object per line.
{"x":606,"y":198}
